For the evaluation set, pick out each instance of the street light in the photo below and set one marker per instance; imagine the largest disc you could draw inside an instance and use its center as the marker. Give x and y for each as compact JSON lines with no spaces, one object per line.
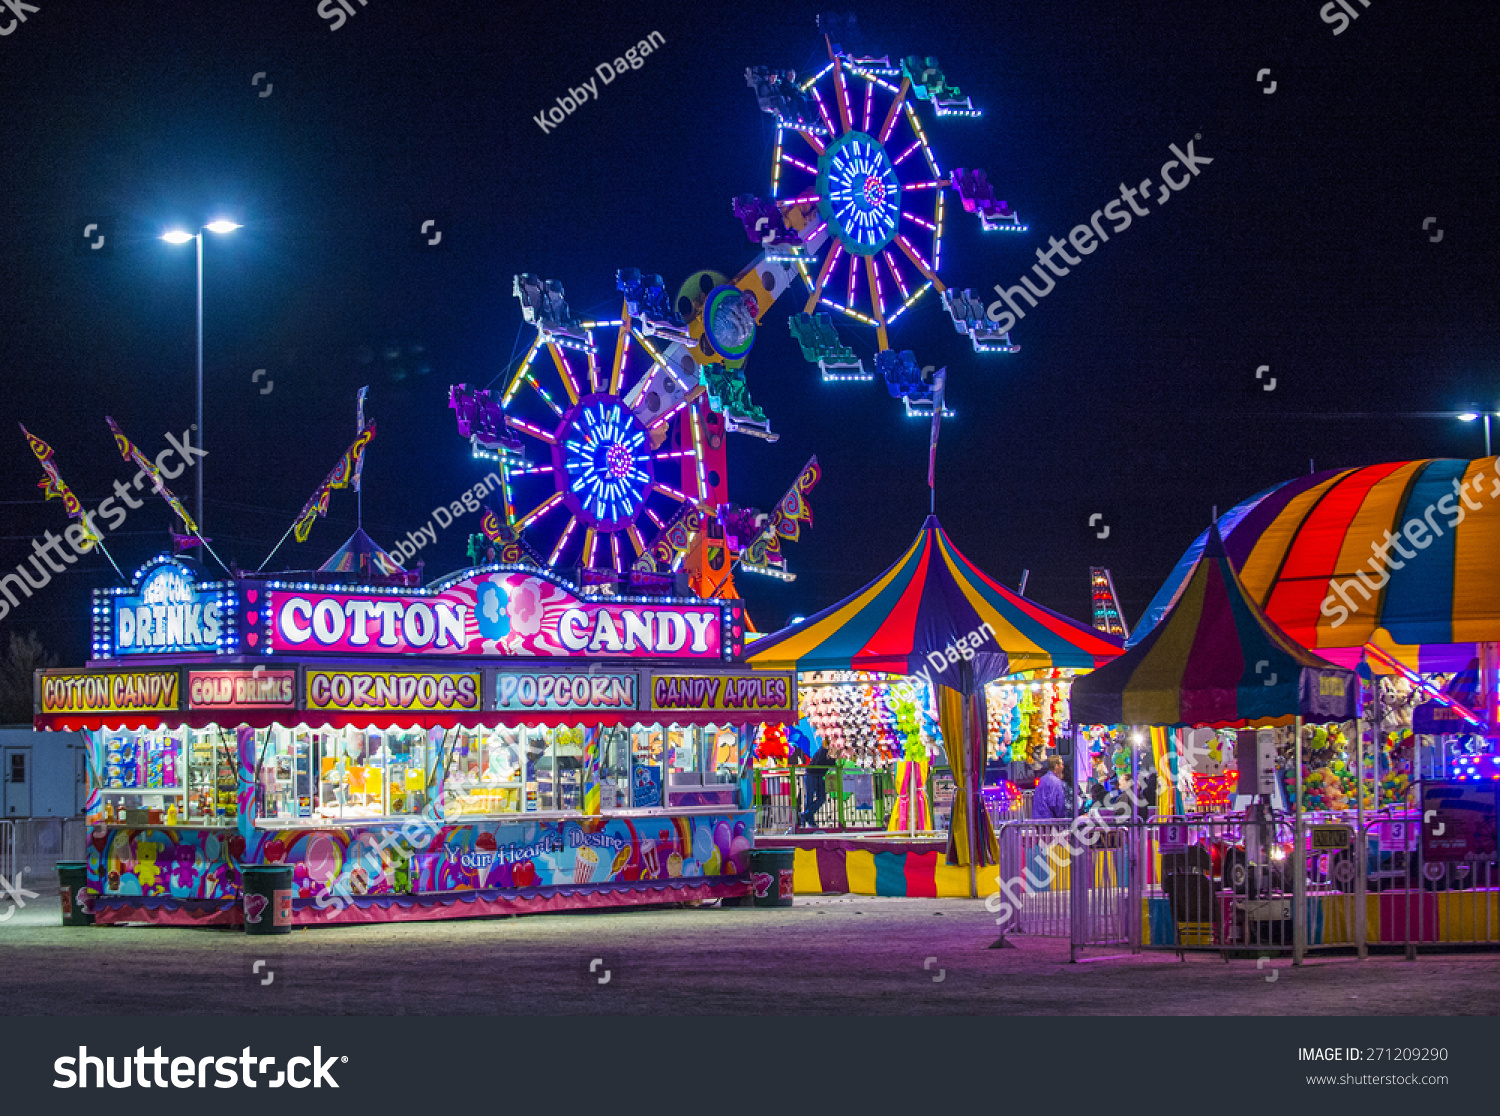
{"x":179,"y":236}
{"x":1471,"y":416}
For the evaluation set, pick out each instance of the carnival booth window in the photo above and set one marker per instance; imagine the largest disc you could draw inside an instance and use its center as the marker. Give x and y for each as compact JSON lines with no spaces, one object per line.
{"x":614,"y":767}
{"x":156,"y":776}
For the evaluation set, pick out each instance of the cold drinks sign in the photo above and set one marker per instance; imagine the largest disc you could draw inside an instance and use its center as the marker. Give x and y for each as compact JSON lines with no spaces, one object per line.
{"x":499,"y":614}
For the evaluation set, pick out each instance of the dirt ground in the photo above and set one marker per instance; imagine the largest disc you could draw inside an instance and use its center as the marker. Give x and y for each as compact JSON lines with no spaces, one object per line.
{"x":845,"y":955}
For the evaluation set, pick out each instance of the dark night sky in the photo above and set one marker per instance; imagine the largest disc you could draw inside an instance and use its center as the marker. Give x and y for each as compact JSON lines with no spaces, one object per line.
{"x":1301,"y":247}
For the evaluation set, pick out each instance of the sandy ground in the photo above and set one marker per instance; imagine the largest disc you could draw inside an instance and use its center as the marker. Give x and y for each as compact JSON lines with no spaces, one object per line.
{"x":845,"y":955}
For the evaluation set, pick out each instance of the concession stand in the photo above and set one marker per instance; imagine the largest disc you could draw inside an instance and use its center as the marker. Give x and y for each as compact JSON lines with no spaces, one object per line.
{"x":496,"y":743}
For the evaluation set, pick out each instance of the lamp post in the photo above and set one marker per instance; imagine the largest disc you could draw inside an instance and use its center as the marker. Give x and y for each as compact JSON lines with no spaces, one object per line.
{"x":178,"y":236}
{"x":1470,"y":416}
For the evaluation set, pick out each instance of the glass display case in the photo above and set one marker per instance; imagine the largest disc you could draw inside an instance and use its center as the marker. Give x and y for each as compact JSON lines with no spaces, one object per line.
{"x":167,"y":776}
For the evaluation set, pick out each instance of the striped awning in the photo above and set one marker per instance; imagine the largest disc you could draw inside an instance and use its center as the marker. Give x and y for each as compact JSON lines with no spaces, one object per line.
{"x":1214,"y":659}
{"x":935,"y":613}
{"x":1405,"y":553}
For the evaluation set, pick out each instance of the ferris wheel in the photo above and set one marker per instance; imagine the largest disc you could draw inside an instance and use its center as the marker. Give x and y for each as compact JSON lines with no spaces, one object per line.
{"x":859,"y":204}
{"x":599,"y":444}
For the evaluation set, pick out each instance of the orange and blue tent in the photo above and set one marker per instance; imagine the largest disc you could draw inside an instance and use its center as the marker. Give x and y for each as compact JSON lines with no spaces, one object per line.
{"x":935,"y":614}
{"x":1214,"y":659}
{"x":1403,"y":554}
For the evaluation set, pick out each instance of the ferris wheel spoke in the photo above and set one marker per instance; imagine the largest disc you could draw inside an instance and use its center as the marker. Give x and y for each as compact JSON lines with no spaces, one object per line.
{"x":920,"y":263}
{"x":622,"y":350}
{"x":527,"y":428}
{"x":540,"y":510}
{"x":520,"y":373}
{"x":823,"y":112}
{"x":873,"y":278}
{"x":569,"y":382}
{"x":823,"y":273}
{"x":562,"y":540}
{"x":891,"y":117}
{"x":841,"y":95}
{"x":885,"y":254}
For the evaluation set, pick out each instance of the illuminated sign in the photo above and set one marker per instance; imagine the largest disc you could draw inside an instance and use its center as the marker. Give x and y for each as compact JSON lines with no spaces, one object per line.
{"x":564,"y":691}
{"x":134,"y":692}
{"x":241,"y":689}
{"x":387,"y":690}
{"x":736,"y":692}
{"x":522,"y":614}
{"x":168,"y":613}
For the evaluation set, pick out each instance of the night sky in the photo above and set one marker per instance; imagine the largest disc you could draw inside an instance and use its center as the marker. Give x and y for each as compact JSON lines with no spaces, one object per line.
{"x":1301,"y":247}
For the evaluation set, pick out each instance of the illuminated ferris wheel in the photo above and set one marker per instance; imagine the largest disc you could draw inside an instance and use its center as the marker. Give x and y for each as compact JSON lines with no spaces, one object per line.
{"x":600,"y":447}
{"x":859,"y":204}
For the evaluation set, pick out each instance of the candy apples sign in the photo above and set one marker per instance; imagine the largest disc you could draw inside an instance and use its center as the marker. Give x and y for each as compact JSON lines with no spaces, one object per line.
{"x":498,"y":614}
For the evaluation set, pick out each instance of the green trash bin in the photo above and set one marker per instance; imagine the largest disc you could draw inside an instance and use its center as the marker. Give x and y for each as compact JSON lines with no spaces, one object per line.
{"x":266,"y":895}
{"x":771,"y":876}
{"x":72,"y":879}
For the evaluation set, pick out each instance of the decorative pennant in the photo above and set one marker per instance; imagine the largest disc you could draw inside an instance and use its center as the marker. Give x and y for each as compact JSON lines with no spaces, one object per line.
{"x":344,"y":474}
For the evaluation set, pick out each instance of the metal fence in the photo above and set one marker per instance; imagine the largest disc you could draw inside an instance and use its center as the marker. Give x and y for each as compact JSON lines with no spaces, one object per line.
{"x":1228,"y":883}
{"x":859,"y":801}
{"x":33,"y":846}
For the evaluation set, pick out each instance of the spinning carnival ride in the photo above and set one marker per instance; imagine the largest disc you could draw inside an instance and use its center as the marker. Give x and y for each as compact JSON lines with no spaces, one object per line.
{"x":855,"y":184}
{"x":610,"y":435}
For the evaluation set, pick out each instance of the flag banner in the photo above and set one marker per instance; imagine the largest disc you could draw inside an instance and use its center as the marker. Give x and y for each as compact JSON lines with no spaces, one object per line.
{"x":131,"y":452}
{"x":939,"y":385}
{"x":792,"y":510}
{"x":344,"y":473}
{"x":359,"y":464}
{"x":53,"y":486}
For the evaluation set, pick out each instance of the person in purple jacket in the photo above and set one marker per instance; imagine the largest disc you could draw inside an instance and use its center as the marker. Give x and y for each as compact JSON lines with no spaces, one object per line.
{"x":1051,"y":797}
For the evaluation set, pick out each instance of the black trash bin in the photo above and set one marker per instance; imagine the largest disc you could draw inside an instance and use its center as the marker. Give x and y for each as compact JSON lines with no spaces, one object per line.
{"x":266,"y":894}
{"x":771,"y":876}
{"x":72,"y":879}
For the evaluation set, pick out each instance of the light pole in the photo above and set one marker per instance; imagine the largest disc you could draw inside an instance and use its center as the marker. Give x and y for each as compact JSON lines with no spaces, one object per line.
{"x":1470,"y":416}
{"x":178,"y":236}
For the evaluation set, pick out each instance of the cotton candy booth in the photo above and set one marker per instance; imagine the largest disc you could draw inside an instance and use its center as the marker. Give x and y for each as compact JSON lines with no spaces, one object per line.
{"x":496,"y":743}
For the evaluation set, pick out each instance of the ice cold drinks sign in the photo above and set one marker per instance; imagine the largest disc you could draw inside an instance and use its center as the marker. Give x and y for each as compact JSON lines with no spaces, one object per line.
{"x":502,"y":614}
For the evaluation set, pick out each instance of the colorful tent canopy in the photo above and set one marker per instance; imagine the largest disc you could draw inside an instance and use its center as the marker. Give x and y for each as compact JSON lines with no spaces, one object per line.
{"x":1410,"y":547}
{"x":928,"y":613}
{"x":363,"y":555}
{"x":1214,"y":659}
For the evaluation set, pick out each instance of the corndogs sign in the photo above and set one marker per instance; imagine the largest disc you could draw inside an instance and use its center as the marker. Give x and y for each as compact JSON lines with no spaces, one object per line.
{"x":520,"y":614}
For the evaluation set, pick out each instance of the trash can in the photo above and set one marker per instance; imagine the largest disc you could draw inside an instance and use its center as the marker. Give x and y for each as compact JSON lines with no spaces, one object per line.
{"x":72,"y":879}
{"x":771,"y":876}
{"x":266,"y":893}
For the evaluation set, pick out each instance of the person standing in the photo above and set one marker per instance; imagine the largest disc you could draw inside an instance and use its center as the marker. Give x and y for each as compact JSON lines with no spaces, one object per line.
{"x":815,"y":784}
{"x":1051,"y":798}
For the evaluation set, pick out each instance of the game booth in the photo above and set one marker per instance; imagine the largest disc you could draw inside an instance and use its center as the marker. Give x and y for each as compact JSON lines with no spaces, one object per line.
{"x":496,"y":743}
{"x":933,"y":630}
